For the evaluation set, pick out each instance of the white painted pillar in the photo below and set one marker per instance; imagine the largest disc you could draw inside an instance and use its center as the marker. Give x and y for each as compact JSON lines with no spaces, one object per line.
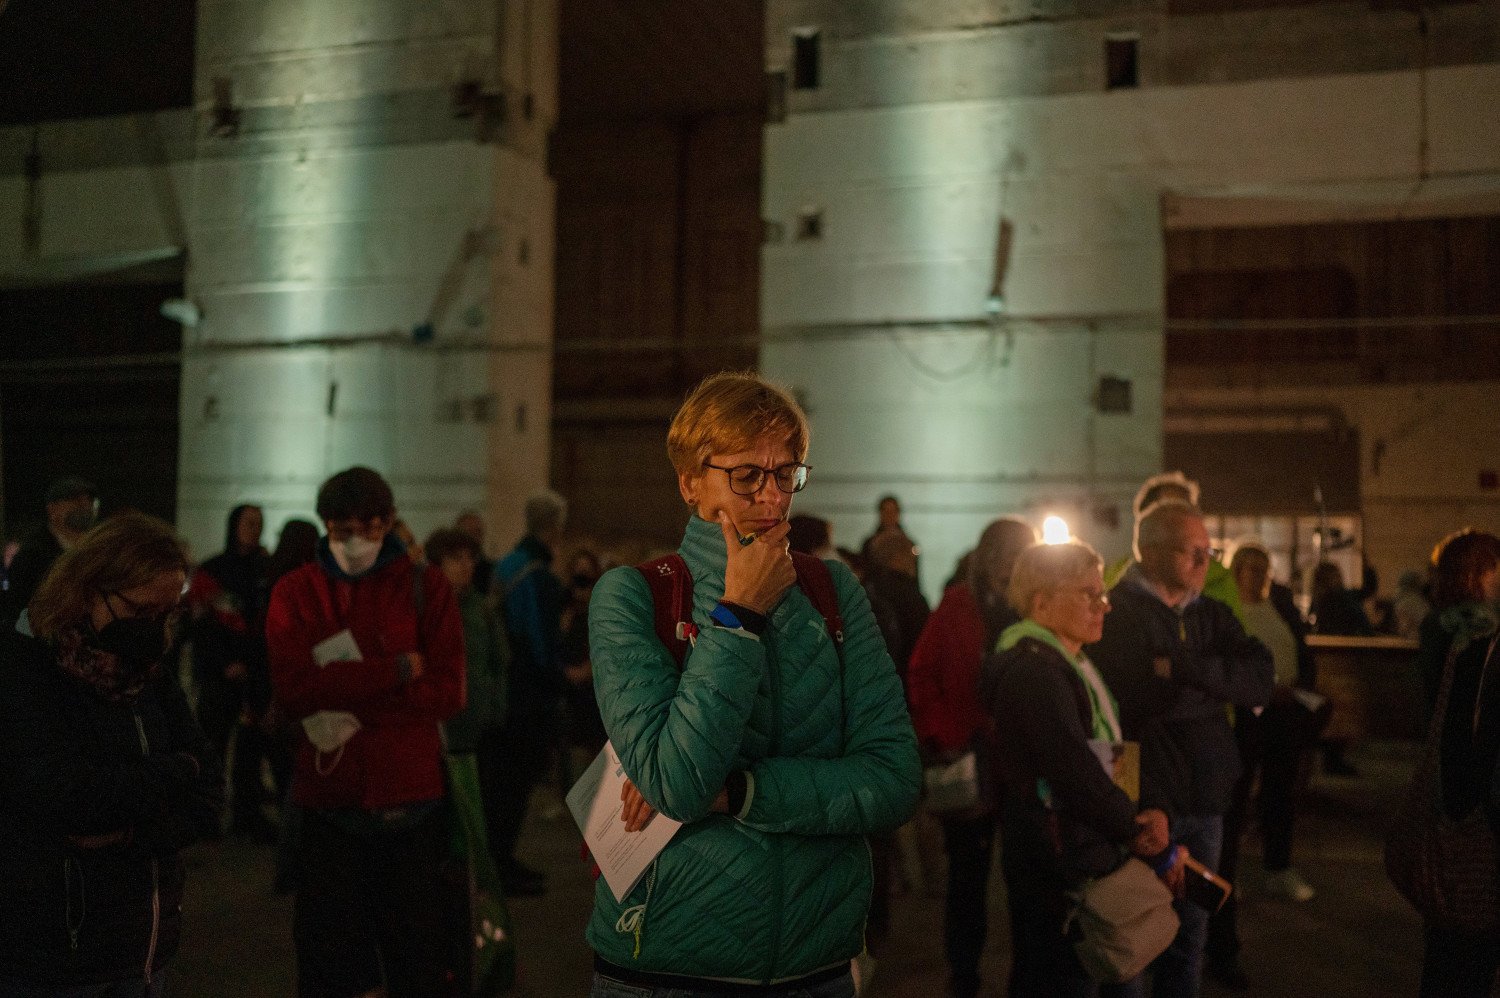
{"x":917,"y":382}
{"x":356,"y":202}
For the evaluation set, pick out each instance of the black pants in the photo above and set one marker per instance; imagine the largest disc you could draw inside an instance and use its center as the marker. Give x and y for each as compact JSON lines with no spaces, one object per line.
{"x":367,"y":904}
{"x":1271,"y":746}
{"x":512,"y":761}
{"x":219,"y":710}
{"x":1043,"y":964}
{"x":969,"y":843}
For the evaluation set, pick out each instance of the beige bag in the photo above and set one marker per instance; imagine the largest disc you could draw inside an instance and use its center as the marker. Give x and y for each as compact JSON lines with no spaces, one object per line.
{"x":1124,"y":920}
{"x":952,"y":786}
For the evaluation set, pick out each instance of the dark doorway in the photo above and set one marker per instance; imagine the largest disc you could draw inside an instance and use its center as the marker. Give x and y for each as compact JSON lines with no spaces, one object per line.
{"x":89,"y":385}
{"x":657,"y":159}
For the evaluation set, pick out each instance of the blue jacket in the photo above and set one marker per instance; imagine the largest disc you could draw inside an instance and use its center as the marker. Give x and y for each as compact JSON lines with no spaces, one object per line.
{"x":533,"y":601}
{"x":781,"y":890}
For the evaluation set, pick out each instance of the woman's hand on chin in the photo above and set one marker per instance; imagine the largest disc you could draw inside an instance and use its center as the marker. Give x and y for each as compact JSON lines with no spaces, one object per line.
{"x":757,"y":573}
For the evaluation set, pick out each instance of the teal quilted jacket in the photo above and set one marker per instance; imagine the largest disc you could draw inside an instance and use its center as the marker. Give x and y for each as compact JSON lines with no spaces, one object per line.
{"x":781,"y":892}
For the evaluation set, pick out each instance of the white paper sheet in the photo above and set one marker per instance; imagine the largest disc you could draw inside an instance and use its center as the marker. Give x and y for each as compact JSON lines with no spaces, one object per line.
{"x":1312,"y":701}
{"x":623,"y":857}
{"x":339,"y":648}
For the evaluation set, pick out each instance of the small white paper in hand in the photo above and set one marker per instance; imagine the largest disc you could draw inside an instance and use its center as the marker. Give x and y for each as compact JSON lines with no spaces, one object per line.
{"x":329,"y":729}
{"x":623,"y":857}
{"x":339,"y":648}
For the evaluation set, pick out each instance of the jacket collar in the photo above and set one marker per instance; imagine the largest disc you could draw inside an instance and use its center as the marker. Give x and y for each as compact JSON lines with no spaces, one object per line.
{"x":1136,"y":578}
{"x":703,"y":549}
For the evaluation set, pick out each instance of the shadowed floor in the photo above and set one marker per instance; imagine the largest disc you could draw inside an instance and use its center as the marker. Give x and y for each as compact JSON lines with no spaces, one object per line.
{"x":1357,"y":937}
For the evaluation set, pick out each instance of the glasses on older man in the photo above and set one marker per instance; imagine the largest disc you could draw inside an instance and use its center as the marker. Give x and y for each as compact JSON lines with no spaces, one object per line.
{"x":748,"y":479}
{"x":1199,"y":556}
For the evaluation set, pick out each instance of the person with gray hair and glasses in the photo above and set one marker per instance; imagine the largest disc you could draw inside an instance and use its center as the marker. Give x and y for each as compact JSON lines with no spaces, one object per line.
{"x":1174,"y":659}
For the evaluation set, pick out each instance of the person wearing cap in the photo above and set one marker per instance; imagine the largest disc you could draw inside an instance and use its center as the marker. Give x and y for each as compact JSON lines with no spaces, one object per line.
{"x":72,"y":505}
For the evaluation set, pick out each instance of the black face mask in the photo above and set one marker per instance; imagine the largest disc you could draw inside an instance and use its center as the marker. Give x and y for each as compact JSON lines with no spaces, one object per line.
{"x":582,"y":582}
{"x":138,"y":640}
{"x":78,"y":520}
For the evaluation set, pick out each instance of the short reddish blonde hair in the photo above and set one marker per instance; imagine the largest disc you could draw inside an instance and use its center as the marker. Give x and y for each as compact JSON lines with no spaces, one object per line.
{"x":730,"y":412}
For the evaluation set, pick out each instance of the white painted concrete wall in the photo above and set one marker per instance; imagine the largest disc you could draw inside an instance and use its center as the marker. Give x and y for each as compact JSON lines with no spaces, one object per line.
{"x":318,"y":234}
{"x":959,"y":424}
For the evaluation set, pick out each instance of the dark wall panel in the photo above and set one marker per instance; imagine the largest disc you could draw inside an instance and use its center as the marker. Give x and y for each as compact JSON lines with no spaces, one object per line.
{"x":1268,"y":473}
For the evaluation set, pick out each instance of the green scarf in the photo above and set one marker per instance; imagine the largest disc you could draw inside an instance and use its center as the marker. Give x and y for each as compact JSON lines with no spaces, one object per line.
{"x":1098,"y":692}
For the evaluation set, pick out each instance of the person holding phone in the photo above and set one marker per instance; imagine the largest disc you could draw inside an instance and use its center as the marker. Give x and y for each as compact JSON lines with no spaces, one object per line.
{"x":778,"y":746}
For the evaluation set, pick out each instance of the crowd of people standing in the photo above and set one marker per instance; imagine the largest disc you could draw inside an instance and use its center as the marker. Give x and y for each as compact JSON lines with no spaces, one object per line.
{"x":1077,"y":716}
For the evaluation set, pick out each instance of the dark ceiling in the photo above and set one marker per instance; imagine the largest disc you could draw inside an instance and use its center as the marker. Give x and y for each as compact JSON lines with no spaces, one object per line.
{"x":89,"y":58}
{"x":655,"y":59}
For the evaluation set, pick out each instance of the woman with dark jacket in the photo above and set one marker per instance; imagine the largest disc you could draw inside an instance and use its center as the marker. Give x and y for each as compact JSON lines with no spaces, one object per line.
{"x":228,"y":597}
{"x":1458,"y":641}
{"x":1063,"y":819}
{"x":103,"y":771}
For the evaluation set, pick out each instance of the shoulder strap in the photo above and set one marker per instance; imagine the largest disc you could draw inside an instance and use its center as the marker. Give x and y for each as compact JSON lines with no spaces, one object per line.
{"x":817,"y":585}
{"x":418,"y":590}
{"x":670,"y":583}
{"x":511,"y":584}
{"x":419,"y":598}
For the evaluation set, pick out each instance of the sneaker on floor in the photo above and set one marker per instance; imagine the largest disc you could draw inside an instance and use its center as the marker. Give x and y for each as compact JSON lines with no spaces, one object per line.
{"x":1288,"y":885}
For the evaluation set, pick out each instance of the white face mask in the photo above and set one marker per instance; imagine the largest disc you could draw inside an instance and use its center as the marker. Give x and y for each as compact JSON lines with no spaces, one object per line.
{"x":328,"y":729}
{"x":355,"y":555}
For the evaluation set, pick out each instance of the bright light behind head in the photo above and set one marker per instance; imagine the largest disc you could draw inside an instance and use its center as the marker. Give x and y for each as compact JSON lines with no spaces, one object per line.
{"x":1055,"y":530}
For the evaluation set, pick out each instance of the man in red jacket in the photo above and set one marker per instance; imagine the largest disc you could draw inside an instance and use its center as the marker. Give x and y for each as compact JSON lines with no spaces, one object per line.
{"x":366,"y":650}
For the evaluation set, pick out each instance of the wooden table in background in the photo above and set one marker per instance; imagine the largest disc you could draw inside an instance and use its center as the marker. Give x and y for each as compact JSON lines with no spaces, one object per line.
{"x":1373,"y":685}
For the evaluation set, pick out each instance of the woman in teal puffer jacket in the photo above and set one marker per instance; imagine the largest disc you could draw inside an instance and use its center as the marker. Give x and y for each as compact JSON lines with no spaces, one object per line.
{"x":778,"y":750}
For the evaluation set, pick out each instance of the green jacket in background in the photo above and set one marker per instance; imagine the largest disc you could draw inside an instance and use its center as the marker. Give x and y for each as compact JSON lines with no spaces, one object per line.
{"x":782,"y":890}
{"x":487,"y":653}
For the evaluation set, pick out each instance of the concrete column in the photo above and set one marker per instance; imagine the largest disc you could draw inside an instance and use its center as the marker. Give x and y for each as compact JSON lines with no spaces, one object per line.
{"x":923,"y":376}
{"x":370,"y":249}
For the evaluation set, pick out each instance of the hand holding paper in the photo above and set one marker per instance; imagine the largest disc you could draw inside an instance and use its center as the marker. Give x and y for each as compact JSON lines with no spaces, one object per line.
{"x":597,"y":801}
{"x":634,"y":811}
{"x":329,"y":729}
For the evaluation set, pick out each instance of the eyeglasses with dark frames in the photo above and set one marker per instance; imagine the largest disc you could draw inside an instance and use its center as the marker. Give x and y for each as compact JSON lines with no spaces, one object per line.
{"x":748,"y":479}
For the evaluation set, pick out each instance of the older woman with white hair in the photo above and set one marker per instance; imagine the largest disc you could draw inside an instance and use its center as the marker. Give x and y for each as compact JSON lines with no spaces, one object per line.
{"x":1063,"y":819}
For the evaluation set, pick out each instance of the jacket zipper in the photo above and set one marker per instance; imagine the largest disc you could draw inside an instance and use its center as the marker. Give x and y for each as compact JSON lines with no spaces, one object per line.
{"x":775,"y":749}
{"x":140,"y":729}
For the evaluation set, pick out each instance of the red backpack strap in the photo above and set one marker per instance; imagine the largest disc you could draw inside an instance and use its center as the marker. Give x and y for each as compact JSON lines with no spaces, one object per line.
{"x":816,"y":582}
{"x":671,"y":586}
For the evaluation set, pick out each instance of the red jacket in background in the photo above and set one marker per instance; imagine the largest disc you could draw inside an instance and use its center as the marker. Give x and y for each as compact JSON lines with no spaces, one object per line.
{"x":395,"y":757}
{"x":942,"y":679}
